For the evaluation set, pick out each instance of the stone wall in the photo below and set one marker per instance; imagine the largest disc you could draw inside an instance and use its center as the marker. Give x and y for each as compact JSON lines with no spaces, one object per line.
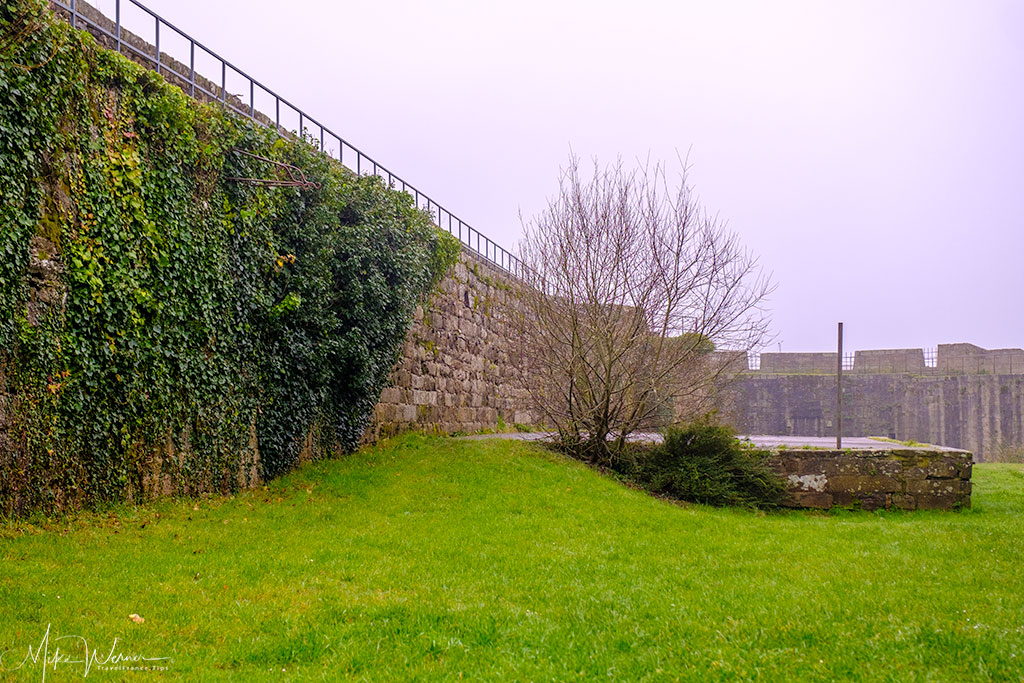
{"x":903,"y":478}
{"x":971,"y":359}
{"x":459,"y":370}
{"x":980,"y":413}
{"x":948,"y":359}
{"x":822,"y":363}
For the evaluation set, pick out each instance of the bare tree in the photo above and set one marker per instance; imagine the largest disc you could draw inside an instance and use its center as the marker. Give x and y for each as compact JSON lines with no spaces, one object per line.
{"x":631,"y":285}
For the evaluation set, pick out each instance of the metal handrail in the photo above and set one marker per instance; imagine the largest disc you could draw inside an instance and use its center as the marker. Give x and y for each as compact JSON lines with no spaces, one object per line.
{"x":468,"y":236}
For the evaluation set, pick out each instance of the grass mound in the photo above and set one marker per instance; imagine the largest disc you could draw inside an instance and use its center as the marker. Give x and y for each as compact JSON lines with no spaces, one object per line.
{"x":435,"y":559}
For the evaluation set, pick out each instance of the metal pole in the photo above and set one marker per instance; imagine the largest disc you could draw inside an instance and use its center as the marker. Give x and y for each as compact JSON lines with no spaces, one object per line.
{"x":839,"y":392}
{"x":156,"y":21}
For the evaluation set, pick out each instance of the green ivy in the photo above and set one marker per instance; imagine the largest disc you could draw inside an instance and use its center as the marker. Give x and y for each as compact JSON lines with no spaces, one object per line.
{"x":190,"y":312}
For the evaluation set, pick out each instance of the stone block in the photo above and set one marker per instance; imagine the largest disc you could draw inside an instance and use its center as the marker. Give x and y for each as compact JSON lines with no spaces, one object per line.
{"x":391,"y":395}
{"x":863,"y":483}
{"x":843,"y":499}
{"x":935,"y":487}
{"x":385,"y":412}
{"x":811,"y":499}
{"x":965,"y":470}
{"x":937,"y":501}
{"x":862,"y":501}
{"x":888,"y":467}
{"x":904,"y":501}
{"x":943,"y":468}
{"x":787,"y":463}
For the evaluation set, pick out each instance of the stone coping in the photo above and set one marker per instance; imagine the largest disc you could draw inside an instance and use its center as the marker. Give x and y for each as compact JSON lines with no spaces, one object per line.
{"x":850,"y":443}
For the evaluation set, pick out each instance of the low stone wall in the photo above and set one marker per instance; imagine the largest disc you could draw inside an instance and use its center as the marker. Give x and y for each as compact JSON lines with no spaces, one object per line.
{"x":903,"y":478}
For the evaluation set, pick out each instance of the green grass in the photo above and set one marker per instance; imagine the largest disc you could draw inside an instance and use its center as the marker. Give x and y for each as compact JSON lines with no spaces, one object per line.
{"x":430,"y":558}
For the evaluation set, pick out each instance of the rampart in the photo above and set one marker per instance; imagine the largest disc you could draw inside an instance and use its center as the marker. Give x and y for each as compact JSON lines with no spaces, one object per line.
{"x":966,"y":397}
{"x":459,"y":371}
{"x":948,"y":359}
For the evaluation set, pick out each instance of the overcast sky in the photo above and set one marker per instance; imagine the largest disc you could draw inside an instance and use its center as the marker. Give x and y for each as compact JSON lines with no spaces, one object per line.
{"x":870,"y":152}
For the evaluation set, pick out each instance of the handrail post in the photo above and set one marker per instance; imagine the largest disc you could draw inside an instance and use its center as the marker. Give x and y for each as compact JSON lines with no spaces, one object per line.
{"x":156,"y":21}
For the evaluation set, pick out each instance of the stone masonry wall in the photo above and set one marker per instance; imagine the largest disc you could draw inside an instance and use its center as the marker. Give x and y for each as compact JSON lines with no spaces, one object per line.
{"x":904,"y":478}
{"x":459,"y":370}
{"x":980,"y":413}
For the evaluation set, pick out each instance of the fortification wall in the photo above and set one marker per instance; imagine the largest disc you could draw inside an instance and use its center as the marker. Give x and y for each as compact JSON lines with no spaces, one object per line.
{"x":983,"y":414}
{"x":460,"y":370}
{"x":798,"y":362}
{"x":948,"y":359}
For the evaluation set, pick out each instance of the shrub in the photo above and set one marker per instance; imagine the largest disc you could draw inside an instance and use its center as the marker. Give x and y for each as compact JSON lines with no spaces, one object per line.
{"x":703,"y":462}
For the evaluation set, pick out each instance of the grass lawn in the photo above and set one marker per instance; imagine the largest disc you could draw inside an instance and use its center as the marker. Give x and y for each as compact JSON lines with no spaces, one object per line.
{"x":430,"y":558}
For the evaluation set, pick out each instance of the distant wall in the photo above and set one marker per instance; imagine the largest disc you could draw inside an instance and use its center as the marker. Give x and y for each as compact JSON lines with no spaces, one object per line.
{"x":798,"y":362}
{"x":947,"y":359}
{"x":977,"y":410}
{"x":908,"y":479}
{"x":971,"y":359}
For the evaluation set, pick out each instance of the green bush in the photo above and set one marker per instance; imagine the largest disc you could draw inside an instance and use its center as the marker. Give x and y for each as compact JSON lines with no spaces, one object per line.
{"x":704,"y":463}
{"x":192,"y":311}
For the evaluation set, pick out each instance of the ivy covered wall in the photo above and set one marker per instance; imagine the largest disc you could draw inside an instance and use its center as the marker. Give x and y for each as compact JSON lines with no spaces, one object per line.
{"x":159,"y":321}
